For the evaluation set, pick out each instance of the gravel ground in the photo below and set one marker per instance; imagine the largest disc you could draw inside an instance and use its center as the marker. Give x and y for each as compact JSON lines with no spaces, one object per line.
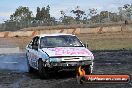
{"x":106,"y":62}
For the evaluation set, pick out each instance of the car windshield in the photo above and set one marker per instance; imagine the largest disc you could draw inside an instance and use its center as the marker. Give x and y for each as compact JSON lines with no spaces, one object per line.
{"x":60,"y":41}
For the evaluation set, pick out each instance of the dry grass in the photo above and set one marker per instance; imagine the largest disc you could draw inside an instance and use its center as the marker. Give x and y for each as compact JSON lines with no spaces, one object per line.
{"x":108,"y":41}
{"x":105,"y":41}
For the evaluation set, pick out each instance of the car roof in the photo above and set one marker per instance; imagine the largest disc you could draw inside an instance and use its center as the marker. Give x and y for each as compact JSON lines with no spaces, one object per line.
{"x":56,"y":34}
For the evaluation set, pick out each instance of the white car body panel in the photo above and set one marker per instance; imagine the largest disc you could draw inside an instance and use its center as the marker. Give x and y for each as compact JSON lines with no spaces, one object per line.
{"x":58,"y":54}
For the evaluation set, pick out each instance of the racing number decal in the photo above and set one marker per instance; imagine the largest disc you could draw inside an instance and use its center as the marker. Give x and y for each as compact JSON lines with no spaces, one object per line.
{"x":33,"y":56}
{"x":33,"y":59}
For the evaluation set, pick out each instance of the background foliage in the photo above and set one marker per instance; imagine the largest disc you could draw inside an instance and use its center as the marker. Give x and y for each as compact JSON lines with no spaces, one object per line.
{"x":23,"y":17}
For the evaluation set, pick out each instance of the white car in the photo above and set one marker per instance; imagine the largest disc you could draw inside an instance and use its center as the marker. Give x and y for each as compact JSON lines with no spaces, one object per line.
{"x":49,"y":53}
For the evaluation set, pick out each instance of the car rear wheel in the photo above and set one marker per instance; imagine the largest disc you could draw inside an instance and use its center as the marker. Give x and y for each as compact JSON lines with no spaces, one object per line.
{"x":30,"y":69}
{"x":42,"y":70}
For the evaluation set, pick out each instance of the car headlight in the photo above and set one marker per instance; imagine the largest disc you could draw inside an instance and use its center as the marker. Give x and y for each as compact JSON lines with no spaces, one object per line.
{"x":88,"y":58}
{"x":55,"y":60}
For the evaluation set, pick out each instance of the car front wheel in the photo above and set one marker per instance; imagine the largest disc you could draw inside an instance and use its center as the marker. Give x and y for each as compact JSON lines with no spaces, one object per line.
{"x":42,"y":70}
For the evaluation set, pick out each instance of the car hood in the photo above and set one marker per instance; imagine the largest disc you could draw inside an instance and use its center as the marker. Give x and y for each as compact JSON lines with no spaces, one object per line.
{"x":67,"y":51}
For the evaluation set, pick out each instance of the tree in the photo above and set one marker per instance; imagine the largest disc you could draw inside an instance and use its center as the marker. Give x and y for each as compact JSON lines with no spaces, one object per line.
{"x":66,"y":20}
{"x":21,"y":18}
{"x":128,"y":11}
{"x":104,"y":14}
{"x":43,"y":15}
{"x":63,"y":18}
{"x":53,"y":21}
{"x":120,"y":14}
{"x":92,"y":13}
{"x":79,"y":13}
{"x":95,"y":18}
{"x":22,"y":13}
{"x":38,"y":15}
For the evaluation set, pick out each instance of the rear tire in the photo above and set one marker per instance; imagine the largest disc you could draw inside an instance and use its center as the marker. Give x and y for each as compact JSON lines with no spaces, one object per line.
{"x":42,"y":70}
{"x":30,"y":69}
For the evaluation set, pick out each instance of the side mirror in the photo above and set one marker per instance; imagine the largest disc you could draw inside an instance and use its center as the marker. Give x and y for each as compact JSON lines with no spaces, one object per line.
{"x":29,"y":46}
{"x":86,"y":45}
{"x":35,"y":47}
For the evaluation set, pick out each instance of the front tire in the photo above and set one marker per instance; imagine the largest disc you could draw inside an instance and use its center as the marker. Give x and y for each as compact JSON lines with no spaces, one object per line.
{"x":42,"y":70}
{"x":87,"y":69}
{"x":80,"y":78}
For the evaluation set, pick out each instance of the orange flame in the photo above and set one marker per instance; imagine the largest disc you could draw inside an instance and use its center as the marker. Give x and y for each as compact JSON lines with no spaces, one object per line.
{"x":81,"y":71}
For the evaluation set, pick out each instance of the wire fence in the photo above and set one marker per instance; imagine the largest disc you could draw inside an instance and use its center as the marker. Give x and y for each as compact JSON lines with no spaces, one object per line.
{"x":13,"y":26}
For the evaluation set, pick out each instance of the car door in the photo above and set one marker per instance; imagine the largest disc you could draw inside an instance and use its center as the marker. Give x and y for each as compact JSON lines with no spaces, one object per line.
{"x":28,"y":52}
{"x":33,"y":52}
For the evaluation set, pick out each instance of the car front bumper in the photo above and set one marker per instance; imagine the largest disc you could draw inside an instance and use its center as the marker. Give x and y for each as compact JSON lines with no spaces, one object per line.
{"x":70,"y":66}
{"x":70,"y":63}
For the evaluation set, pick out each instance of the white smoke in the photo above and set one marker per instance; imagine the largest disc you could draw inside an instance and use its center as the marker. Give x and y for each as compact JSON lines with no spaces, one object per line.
{"x":14,"y":61}
{"x":9,"y":50}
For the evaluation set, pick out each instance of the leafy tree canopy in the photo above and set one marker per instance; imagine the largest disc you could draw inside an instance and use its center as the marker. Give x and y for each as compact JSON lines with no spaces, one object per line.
{"x":22,"y":13}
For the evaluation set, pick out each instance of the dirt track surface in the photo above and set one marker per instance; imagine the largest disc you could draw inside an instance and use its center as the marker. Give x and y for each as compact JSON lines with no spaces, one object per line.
{"x":106,"y":62}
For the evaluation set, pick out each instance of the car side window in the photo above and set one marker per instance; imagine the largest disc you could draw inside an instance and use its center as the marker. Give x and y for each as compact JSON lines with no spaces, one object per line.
{"x":35,"y":42}
{"x":30,"y":45}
